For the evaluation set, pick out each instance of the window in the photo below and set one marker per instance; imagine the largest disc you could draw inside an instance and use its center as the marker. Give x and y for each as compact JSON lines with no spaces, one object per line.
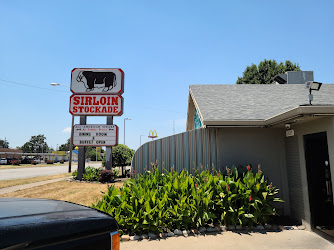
{"x":197,"y":120}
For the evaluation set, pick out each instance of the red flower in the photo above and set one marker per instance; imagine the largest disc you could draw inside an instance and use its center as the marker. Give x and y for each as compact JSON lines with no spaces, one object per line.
{"x":133,"y":171}
{"x":196,"y":185}
{"x":250,"y":198}
{"x":228,"y":188}
{"x":248,"y":168}
{"x":218,"y":174}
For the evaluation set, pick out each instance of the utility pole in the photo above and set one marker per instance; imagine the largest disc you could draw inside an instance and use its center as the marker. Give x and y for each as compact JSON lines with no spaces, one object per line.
{"x":71,"y":147}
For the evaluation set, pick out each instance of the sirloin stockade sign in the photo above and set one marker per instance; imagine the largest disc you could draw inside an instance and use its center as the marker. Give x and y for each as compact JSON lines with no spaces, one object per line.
{"x":95,"y":104}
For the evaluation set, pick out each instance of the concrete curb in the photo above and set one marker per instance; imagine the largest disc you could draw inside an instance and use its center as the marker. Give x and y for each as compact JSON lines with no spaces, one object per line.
{"x":213,"y":231}
{"x":29,"y":185}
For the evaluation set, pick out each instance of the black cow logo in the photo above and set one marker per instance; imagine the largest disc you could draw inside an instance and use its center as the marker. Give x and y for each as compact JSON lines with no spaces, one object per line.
{"x":91,"y":79}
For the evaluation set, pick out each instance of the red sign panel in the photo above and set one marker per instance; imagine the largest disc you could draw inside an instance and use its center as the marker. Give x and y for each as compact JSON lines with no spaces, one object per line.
{"x":99,"y":105}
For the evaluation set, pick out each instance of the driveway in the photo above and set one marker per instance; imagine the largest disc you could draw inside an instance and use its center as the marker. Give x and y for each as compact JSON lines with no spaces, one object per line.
{"x":19,"y":173}
{"x":286,"y":239}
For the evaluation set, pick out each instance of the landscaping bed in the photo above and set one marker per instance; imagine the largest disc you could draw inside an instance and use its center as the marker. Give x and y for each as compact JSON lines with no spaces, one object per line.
{"x":210,"y":231}
{"x":92,"y":174}
{"x":164,"y":203}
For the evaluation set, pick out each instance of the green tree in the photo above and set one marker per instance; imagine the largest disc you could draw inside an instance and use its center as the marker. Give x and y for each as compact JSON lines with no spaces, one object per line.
{"x":36,"y":144}
{"x":265,"y":71}
{"x":90,"y":153}
{"x":66,"y":146}
{"x":4,"y":144}
{"x":121,"y":156}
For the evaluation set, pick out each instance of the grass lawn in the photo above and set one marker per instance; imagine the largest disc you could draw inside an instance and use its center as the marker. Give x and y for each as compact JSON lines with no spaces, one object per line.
{"x":10,"y":183}
{"x":80,"y":193}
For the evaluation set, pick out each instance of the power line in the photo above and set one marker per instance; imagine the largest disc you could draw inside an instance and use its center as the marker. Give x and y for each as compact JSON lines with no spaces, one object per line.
{"x":32,"y":86}
{"x":164,"y":110}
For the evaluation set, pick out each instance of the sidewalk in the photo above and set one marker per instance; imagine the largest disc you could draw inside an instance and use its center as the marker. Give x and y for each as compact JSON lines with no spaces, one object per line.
{"x":29,"y":185}
{"x":286,"y":239}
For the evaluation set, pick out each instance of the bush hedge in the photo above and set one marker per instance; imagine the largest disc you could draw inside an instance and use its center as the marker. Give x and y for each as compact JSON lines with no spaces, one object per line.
{"x":107,"y":176}
{"x":159,"y":202}
{"x":16,"y":162}
{"x":96,"y":174}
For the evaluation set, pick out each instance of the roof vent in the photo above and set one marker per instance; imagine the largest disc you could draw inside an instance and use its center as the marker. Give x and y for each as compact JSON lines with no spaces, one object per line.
{"x":293,"y":77}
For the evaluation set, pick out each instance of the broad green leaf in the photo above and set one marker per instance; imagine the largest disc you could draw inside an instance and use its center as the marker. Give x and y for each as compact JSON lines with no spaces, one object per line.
{"x":264,"y":194}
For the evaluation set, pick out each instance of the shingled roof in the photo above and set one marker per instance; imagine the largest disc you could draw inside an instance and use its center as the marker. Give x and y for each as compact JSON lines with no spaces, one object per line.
{"x":249,"y":102}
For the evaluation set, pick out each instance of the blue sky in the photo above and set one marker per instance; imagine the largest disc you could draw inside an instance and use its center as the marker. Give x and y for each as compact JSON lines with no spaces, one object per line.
{"x":162,"y":46}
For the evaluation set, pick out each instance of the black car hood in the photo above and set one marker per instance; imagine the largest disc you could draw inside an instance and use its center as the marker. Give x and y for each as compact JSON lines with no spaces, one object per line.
{"x":27,"y":220}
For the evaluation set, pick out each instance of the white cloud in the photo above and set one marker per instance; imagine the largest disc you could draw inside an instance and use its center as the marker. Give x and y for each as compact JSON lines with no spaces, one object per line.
{"x":67,"y":130}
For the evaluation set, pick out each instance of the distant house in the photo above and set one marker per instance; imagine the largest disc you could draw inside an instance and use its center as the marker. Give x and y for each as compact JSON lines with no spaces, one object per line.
{"x":10,"y":153}
{"x":273,"y":125}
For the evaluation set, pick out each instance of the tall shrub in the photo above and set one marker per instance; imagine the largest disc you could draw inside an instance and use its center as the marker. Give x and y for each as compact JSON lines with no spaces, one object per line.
{"x":157,"y":202}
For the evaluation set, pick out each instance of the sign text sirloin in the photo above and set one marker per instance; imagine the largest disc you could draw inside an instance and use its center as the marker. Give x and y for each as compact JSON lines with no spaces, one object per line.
{"x":101,"y":105}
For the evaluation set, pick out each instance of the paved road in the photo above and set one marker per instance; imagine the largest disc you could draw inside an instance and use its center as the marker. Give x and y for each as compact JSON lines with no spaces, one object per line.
{"x":19,"y":173}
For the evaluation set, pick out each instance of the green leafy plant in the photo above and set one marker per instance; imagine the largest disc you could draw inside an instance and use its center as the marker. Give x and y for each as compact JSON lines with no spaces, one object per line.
{"x":89,"y":174}
{"x":158,"y":202}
